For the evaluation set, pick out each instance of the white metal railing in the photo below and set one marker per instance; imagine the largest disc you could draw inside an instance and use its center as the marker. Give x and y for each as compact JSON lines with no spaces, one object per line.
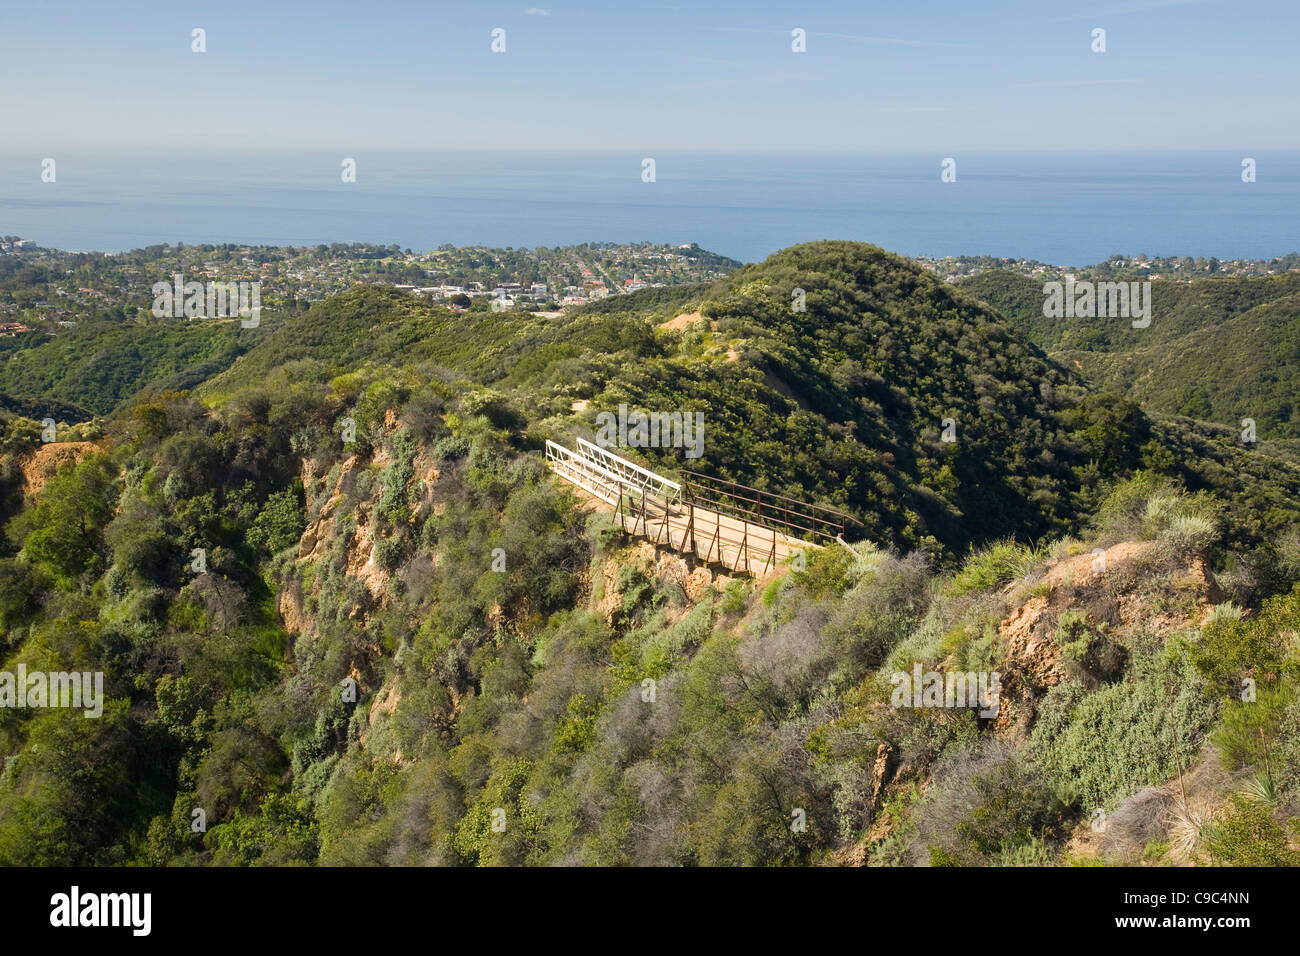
{"x":607,"y":475}
{"x":670,"y":492}
{"x":584,"y":473}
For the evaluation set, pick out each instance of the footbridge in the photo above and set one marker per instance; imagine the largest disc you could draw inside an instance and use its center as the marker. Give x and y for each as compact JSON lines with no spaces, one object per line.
{"x":742,"y":528}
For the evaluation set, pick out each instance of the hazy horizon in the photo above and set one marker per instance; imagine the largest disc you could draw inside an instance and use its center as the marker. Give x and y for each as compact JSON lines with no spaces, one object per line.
{"x":1058,"y":208}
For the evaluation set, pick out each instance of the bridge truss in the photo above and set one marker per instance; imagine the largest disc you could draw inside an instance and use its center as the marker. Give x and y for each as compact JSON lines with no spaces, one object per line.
{"x":742,"y":528}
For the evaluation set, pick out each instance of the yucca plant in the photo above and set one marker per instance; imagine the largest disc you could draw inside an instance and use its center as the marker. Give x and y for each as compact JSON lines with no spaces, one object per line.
{"x":1191,"y":824}
{"x":1159,"y":511}
{"x":1189,"y":534}
{"x":1261,"y":789}
{"x":1227,"y":611}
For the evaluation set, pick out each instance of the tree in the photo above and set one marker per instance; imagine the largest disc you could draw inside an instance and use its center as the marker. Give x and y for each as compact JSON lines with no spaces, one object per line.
{"x":64,"y":532}
{"x":280,"y":523}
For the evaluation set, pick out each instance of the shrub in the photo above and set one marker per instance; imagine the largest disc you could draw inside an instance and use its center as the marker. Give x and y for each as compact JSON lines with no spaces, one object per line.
{"x":577,"y":728}
{"x":1138,"y":822}
{"x":733,"y":599}
{"x":988,"y":802}
{"x":1285,"y":761}
{"x":1224,"y":613}
{"x":1247,"y":834}
{"x":280,"y":833}
{"x":827,"y":571}
{"x":1123,"y":510}
{"x":388,"y":552}
{"x":1230,"y":648}
{"x":1120,"y":738}
{"x":1249,"y":730}
{"x":1002,"y":562}
{"x":877,"y":614}
{"x":451,"y":447}
{"x":63,"y":531}
{"x":1088,"y":650}
{"x":393,"y":505}
{"x":1159,"y":510}
{"x":1189,"y":535}
{"x":280,"y":523}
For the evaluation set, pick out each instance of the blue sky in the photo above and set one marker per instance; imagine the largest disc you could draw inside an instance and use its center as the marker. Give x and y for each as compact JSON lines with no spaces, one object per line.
{"x":941,"y":75}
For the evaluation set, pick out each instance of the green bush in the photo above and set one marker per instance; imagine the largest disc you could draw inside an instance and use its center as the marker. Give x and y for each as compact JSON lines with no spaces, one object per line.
{"x":992,"y":567}
{"x":1124,"y":736}
{"x":1247,"y":834}
{"x":389,"y":551}
{"x":280,"y":523}
{"x":1231,"y":649}
{"x":987,"y":804}
{"x":1087,"y":648}
{"x":64,"y":531}
{"x":1249,"y":729}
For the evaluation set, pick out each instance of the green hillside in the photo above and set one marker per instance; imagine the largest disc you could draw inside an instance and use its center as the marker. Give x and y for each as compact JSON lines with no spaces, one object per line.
{"x":1218,"y":349}
{"x":419,"y":647}
{"x":101,"y":365}
{"x":842,"y":404}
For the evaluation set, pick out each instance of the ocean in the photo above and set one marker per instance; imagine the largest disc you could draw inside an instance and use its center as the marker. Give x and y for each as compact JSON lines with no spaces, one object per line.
{"x":1072,"y":208}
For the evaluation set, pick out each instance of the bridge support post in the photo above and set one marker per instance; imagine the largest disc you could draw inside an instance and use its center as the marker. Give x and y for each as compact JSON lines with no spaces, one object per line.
{"x":618,"y":511}
{"x":690,"y":527}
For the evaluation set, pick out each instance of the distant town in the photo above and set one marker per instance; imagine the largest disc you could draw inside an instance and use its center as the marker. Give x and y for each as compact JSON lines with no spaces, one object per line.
{"x":1169,"y":268}
{"x":48,"y":289}
{"x":45,"y":290}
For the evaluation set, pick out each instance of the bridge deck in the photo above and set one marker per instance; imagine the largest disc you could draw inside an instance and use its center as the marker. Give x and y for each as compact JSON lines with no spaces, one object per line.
{"x":648,"y":505}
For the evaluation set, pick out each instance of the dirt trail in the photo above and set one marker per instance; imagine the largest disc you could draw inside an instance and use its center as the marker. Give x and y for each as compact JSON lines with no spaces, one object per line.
{"x":683,"y":320}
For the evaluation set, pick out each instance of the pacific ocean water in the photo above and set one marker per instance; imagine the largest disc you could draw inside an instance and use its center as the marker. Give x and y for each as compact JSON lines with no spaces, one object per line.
{"x":1066,"y":208}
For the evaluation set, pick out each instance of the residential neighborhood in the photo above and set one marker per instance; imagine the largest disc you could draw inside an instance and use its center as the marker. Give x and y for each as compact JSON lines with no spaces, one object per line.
{"x":61,"y":288}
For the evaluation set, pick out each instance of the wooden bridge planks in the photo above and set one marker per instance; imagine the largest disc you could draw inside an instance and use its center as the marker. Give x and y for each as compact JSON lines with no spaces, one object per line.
{"x":646,"y":508}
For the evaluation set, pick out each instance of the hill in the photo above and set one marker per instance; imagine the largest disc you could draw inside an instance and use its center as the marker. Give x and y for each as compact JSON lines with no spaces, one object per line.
{"x":1218,"y":349}
{"x":844,"y":403}
{"x":100,"y":365}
